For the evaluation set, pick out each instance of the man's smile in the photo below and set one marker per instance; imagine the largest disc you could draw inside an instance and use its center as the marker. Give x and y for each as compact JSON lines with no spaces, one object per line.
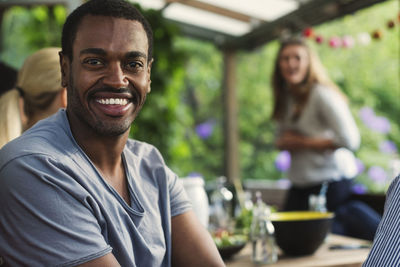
{"x":112,"y":104}
{"x":113,"y":101}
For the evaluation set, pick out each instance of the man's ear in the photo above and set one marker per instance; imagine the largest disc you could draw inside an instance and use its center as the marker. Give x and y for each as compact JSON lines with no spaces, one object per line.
{"x":64,"y":66}
{"x":63,"y":97}
{"x":149,"y":75}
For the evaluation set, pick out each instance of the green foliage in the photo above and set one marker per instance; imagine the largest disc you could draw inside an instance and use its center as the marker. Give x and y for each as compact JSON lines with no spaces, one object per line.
{"x":26,"y":30}
{"x":243,"y":221}
{"x":257,"y":152}
{"x":157,"y":122}
{"x":202,"y":98}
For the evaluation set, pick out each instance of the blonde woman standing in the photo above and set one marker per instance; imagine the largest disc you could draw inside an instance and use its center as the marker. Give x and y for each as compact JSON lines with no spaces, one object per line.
{"x":315,"y":125}
{"x":38,"y":94}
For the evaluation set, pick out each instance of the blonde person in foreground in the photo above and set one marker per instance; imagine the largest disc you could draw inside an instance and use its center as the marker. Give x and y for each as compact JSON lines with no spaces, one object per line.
{"x":74,"y":189}
{"x":37,"y":94}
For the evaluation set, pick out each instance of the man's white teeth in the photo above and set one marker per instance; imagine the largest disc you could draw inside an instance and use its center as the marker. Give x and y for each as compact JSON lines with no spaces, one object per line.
{"x":113,"y":101}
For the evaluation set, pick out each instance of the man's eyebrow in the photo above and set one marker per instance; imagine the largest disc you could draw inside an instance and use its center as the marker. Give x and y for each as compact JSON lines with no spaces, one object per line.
{"x":135,"y":54}
{"x":102,"y":52}
{"x":97,"y":51}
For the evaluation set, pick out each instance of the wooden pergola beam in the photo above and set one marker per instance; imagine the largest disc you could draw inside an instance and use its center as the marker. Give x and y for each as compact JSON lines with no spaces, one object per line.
{"x":215,"y":9}
{"x":311,"y":13}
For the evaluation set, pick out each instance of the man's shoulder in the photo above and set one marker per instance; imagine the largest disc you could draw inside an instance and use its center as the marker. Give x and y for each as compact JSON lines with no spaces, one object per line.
{"x":48,"y":137}
{"x":139,"y":147}
{"x":144,"y":151}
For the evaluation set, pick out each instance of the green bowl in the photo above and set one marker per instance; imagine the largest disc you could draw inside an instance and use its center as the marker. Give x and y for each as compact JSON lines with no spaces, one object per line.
{"x":301,"y":232}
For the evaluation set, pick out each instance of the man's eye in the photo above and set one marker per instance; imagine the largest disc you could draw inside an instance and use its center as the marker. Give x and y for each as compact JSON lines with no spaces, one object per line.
{"x":133,"y":65}
{"x":92,"y":61}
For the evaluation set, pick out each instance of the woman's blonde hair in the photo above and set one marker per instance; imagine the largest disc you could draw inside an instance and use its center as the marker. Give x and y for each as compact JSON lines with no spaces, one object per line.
{"x":10,"y":120}
{"x":316,"y":74}
{"x":38,"y":83}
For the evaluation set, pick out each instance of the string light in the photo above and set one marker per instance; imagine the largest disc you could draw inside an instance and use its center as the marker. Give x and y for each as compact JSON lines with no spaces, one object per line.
{"x":348,"y":41}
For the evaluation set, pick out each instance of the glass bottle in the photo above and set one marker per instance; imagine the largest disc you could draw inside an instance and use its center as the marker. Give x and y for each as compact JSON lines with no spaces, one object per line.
{"x":243,"y":220}
{"x":248,"y":203}
{"x":221,"y":206}
{"x":318,"y":202}
{"x":194,"y":187}
{"x":262,"y":234}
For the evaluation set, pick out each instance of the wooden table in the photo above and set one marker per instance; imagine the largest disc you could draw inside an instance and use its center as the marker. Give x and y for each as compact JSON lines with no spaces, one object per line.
{"x":323,"y":257}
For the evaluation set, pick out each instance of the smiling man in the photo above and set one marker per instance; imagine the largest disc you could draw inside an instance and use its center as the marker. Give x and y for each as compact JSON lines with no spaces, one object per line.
{"x":74,"y":189}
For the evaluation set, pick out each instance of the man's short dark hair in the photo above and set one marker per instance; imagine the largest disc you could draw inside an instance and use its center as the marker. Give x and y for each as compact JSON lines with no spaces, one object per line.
{"x":108,"y":8}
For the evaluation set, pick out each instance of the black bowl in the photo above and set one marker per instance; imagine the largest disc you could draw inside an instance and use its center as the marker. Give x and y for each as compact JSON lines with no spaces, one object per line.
{"x":301,"y":232}
{"x":229,"y":251}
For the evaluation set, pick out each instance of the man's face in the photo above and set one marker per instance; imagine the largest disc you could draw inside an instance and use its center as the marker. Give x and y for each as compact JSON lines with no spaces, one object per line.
{"x":109,"y":76}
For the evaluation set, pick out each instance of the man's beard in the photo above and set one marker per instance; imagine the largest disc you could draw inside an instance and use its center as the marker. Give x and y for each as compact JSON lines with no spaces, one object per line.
{"x":100,"y":127}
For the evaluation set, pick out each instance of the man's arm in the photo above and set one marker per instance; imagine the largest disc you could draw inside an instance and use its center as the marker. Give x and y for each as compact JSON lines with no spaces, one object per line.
{"x":107,"y":260}
{"x":192,"y":245}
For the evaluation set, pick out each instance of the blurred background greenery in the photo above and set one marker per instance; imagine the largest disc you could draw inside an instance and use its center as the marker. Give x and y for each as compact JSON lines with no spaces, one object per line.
{"x":183,"y":113}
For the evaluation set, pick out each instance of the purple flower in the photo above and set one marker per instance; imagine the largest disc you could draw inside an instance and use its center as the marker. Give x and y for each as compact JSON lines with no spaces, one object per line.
{"x":388,"y":147}
{"x":359,"y":189}
{"x":381,"y":125}
{"x":366,"y":114}
{"x":282,"y":161}
{"x":377,"y":174}
{"x":194,"y":174}
{"x":360,"y":166}
{"x":377,"y":123}
{"x":205,"y":129}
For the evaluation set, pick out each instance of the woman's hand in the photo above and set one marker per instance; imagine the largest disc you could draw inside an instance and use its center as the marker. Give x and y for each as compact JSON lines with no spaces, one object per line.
{"x":292,"y":140}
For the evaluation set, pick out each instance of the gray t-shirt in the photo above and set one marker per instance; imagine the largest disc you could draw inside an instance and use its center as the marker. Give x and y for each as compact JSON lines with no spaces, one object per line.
{"x":57,"y":210}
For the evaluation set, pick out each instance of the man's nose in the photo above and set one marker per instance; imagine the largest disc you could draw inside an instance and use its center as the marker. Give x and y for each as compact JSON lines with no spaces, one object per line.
{"x":115,"y":76}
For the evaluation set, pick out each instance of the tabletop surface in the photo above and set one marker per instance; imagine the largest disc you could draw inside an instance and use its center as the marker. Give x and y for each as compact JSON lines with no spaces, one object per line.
{"x":323,"y":257}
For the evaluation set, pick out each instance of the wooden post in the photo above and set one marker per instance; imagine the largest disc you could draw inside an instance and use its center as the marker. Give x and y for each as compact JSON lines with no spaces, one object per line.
{"x":231,"y":136}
